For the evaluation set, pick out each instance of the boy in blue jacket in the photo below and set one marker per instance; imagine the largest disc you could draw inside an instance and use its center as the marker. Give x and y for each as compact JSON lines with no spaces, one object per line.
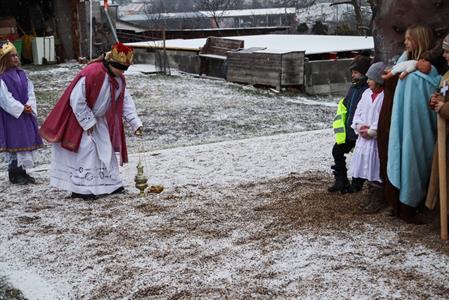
{"x":347,"y":137}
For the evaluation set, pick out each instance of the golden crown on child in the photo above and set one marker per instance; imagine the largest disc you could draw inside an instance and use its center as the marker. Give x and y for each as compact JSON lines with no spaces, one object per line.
{"x":7,"y":48}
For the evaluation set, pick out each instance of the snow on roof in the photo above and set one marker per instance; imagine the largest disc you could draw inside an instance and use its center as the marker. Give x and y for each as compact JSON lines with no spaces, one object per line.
{"x":139,"y":14}
{"x":253,"y":12}
{"x":131,"y":9}
{"x":126,"y":26}
{"x":311,"y":44}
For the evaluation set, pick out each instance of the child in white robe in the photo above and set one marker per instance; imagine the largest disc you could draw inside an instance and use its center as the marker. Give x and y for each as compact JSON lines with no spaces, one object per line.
{"x":365,"y":160}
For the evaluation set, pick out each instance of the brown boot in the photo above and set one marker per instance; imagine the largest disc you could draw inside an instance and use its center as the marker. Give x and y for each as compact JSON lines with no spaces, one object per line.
{"x":376,"y":200}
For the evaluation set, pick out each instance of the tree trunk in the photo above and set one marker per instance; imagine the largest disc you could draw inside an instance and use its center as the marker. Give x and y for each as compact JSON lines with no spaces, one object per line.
{"x":394,"y":16}
{"x":358,"y":16}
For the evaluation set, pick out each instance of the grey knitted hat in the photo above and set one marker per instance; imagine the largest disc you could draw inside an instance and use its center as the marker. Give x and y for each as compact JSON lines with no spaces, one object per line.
{"x":376,"y":71}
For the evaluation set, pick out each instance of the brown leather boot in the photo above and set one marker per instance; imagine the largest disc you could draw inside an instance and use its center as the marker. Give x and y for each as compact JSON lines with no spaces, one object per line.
{"x":376,"y":200}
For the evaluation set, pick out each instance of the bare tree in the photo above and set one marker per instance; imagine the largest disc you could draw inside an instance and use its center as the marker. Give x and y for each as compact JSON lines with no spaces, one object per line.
{"x":216,"y":8}
{"x":356,"y":4}
{"x":155,"y":14}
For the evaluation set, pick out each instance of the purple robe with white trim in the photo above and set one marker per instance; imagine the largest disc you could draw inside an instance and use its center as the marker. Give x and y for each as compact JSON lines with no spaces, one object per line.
{"x":18,"y":134}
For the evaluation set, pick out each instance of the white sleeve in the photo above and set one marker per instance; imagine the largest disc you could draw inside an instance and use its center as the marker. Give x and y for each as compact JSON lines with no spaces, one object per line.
{"x":398,"y":68}
{"x":379,"y":101}
{"x":83,"y":113}
{"x":32,"y":97}
{"x":372,"y":133}
{"x":410,"y":66}
{"x":8,"y":103}
{"x":129,"y":112}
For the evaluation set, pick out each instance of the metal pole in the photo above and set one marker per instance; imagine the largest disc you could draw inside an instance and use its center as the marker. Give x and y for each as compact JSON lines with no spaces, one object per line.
{"x":114,"y":33}
{"x":90,"y":29}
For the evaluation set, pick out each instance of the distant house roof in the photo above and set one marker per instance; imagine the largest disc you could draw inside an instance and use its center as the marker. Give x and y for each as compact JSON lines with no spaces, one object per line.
{"x":132,"y":9}
{"x":128,"y":14}
{"x":162,"y":16}
{"x":253,"y":12}
{"x":311,"y":44}
{"x":119,"y":25}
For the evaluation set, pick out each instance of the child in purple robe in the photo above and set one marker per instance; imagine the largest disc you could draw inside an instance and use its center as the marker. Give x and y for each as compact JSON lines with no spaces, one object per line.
{"x":19,"y":138}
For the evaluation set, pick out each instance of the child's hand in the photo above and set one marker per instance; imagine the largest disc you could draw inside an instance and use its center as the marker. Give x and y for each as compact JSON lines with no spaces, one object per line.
{"x":27,"y":109}
{"x":364,"y":132}
{"x":403,"y":75}
{"x":363,"y":127}
{"x":436,"y":102}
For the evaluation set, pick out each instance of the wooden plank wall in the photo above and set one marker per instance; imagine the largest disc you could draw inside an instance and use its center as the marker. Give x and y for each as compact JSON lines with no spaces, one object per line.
{"x":292,"y":69}
{"x":219,"y":46}
{"x":271,"y":69}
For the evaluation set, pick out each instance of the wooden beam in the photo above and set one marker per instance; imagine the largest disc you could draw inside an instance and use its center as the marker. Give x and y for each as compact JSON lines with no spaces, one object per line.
{"x":340,"y":2}
{"x":442,"y":174}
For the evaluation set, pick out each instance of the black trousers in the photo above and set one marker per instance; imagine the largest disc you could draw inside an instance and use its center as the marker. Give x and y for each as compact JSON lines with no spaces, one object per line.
{"x":338,"y":152}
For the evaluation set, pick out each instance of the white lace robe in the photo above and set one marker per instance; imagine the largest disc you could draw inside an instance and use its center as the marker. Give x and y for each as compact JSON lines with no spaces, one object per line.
{"x":94,"y":168}
{"x":365,"y":160}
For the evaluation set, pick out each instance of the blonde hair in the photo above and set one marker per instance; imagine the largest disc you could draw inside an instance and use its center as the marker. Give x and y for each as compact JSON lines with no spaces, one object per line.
{"x":5,"y":62}
{"x":422,"y":37}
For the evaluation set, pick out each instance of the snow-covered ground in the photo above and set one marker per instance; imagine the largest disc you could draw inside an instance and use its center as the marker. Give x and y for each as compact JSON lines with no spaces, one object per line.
{"x":244,"y":213}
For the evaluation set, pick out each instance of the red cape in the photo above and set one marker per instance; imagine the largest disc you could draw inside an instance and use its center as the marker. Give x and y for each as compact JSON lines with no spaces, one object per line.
{"x":61,"y":125}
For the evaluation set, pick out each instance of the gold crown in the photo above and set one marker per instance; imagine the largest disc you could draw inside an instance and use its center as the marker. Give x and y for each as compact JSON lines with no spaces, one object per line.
{"x":121,"y":54}
{"x":7,"y":48}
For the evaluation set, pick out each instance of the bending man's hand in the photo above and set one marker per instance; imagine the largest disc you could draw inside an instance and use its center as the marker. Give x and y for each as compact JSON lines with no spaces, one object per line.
{"x":139,"y":131}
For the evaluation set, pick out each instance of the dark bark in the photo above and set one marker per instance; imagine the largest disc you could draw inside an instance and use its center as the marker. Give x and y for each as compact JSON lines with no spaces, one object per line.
{"x":394,"y":16}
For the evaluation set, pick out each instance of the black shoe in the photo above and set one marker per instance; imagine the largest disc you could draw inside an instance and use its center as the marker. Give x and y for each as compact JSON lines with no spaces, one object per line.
{"x":357,"y":184}
{"x":334,"y":188}
{"x":341,"y":184}
{"x":120,"y":190}
{"x":28,"y":177}
{"x":16,"y":177}
{"x":84,"y":196}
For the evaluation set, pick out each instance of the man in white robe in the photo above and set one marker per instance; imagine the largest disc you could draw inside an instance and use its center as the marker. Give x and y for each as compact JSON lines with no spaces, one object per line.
{"x":87,"y":165}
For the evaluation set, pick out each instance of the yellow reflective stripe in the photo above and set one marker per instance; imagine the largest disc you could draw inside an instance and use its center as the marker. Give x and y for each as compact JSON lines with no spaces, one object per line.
{"x":339,"y":130}
{"x":338,"y":117}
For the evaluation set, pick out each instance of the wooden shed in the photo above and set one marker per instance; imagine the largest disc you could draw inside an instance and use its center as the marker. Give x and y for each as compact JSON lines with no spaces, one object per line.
{"x":266,"y":67}
{"x":213,"y":55}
